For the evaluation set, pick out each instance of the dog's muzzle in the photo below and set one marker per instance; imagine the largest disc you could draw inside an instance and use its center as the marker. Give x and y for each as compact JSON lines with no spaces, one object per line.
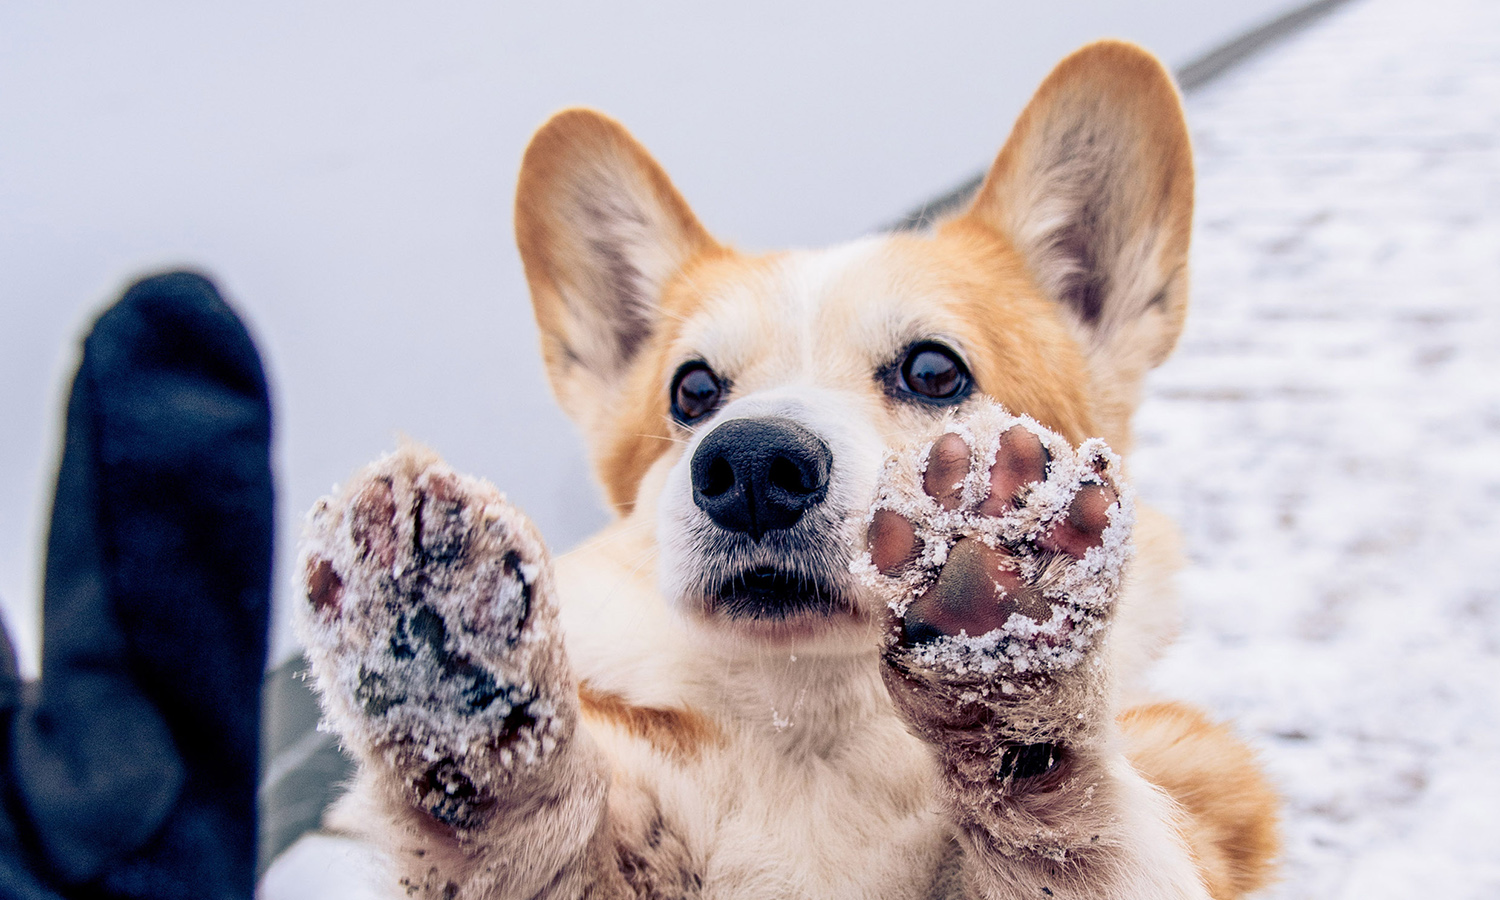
{"x":753,"y":476}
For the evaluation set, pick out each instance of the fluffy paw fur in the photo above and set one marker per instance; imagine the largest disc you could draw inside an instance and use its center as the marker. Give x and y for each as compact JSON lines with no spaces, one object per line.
{"x":431,"y":635}
{"x":1001,"y":551}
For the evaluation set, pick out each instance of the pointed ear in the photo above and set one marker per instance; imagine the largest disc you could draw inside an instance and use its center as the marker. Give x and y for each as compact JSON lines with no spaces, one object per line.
{"x":601,"y":231}
{"x":1095,"y":189}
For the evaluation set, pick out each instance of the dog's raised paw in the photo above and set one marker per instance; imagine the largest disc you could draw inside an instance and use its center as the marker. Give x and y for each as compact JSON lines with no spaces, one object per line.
{"x":429,"y":631}
{"x":1000,"y":550}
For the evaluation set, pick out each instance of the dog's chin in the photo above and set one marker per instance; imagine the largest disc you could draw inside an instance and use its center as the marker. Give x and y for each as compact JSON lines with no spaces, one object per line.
{"x":773,"y":606}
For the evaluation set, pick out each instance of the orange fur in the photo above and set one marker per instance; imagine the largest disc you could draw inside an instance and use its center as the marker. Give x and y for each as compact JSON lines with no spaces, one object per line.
{"x":1023,"y":356}
{"x":675,"y":733}
{"x":641,"y":431}
{"x":1215,"y":779}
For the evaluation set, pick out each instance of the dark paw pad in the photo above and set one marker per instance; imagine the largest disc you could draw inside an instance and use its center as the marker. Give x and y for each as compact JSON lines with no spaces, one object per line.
{"x":1083,"y":527}
{"x":1019,"y":762}
{"x":947,"y":469}
{"x":893,"y":542}
{"x":1020,"y":461}
{"x":324,"y":586}
{"x":375,"y":694}
{"x":421,"y":636}
{"x":372,"y":521}
{"x":418,"y":629}
{"x":449,"y":796}
{"x":511,"y":566}
{"x":978,"y":590}
{"x":442,"y":527}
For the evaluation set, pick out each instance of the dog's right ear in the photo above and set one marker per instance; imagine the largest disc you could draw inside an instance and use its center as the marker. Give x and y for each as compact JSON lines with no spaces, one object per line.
{"x":601,"y":232}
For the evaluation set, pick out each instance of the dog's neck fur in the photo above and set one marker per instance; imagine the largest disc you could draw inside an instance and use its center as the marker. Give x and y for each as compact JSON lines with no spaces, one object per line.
{"x":624,"y":640}
{"x":807,"y":757}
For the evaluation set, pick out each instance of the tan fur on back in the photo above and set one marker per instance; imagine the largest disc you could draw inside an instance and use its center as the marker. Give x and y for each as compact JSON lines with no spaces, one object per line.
{"x":1215,"y":778}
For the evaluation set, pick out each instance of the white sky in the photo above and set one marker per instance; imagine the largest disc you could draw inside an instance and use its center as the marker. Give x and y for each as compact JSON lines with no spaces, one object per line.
{"x":345,"y":171}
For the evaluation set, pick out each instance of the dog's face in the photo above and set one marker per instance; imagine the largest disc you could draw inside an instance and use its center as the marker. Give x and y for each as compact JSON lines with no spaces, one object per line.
{"x":745,"y":403}
{"x":787,"y":378}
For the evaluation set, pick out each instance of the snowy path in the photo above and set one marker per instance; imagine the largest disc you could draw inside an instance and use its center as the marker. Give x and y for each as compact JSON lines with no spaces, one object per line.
{"x":1328,"y":437}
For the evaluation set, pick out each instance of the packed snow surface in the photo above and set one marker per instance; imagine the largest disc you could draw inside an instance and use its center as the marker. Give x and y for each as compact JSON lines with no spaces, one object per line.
{"x":1328,"y":438}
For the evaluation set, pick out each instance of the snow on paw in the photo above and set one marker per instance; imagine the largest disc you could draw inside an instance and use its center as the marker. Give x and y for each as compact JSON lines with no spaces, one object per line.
{"x":428,"y":633}
{"x":1000,"y":550}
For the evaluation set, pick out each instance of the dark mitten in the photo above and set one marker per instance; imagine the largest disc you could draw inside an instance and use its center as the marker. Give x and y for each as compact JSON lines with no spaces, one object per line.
{"x":132,"y":772}
{"x":19,"y":879}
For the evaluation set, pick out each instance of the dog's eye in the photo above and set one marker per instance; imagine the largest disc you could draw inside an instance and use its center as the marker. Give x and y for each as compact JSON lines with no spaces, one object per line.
{"x":934,"y":372}
{"x":696,"y":392}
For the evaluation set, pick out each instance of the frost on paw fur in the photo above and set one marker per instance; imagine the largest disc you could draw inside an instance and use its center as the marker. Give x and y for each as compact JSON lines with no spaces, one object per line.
{"x":1000,"y":549}
{"x":429,"y":632}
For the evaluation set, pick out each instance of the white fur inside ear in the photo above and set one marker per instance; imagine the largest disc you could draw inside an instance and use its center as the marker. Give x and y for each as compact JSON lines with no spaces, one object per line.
{"x":1104,"y":273}
{"x":626,"y":250}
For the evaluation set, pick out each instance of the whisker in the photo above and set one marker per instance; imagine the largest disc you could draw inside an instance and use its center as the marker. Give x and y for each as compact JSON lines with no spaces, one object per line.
{"x":647,"y":557}
{"x":661,"y":437}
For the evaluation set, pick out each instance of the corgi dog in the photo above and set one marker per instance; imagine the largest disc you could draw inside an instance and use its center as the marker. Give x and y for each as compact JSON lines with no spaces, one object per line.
{"x":873,"y":615}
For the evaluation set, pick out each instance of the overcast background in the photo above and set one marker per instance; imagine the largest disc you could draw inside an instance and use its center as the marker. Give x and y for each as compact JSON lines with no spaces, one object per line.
{"x":346,"y":173}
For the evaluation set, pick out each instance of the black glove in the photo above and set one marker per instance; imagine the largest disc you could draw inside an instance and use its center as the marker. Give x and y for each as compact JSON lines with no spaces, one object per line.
{"x":129,"y":770}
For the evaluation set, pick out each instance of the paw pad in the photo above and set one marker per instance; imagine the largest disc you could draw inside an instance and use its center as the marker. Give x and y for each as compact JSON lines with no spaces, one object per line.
{"x":324,"y":586}
{"x":998,"y":544}
{"x":442,"y":521}
{"x":372,"y":521}
{"x":449,"y":796}
{"x":977,"y":591}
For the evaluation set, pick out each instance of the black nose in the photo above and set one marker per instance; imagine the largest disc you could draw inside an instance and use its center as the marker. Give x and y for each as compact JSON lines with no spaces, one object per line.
{"x":758,"y":475}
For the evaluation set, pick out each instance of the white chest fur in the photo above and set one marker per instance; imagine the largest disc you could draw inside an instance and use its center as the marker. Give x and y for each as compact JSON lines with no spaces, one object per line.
{"x":811,"y":786}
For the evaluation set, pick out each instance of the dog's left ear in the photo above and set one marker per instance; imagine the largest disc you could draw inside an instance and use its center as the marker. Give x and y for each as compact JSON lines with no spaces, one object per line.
{"x":1095,"y":189}
{"x":601,"y":232}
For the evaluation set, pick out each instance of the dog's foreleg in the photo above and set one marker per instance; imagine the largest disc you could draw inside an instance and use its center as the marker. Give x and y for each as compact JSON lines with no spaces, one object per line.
{"x":1001,"y":550}
{"x":431,"y":629}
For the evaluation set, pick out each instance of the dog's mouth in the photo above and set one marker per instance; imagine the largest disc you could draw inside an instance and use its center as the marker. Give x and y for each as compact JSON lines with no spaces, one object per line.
{"x":769,"y":594}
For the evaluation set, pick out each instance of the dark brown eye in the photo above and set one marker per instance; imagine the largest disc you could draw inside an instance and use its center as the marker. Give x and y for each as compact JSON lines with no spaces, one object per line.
{"x":696,"y":392}
{"x":933,"y":372}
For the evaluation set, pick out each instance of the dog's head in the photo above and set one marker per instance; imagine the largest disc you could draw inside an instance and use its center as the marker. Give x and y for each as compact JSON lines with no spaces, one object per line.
{"x":745,"y":402}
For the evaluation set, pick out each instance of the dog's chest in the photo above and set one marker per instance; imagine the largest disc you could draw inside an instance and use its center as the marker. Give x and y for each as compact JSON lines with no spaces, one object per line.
{"x":819,"y":833}
{"x":804,"y":784}
{"x":803,"y":808}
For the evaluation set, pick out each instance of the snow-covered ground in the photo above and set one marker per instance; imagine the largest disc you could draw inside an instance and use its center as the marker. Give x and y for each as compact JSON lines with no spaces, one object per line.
{"x":1328,"y":437}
